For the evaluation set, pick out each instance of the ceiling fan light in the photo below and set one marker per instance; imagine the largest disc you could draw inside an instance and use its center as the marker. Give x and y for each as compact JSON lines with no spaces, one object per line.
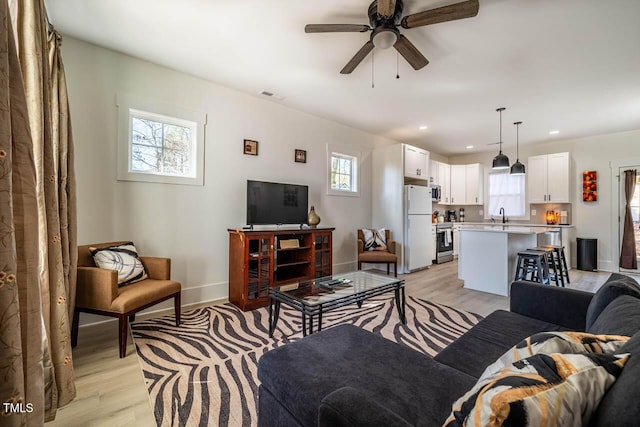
{"x":384,"y":39}
{"x":500,"y":162}
{"x":517,"y":168}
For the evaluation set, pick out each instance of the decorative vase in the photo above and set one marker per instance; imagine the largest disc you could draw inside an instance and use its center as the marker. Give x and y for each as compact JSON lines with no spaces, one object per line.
{"x":313,"y":219}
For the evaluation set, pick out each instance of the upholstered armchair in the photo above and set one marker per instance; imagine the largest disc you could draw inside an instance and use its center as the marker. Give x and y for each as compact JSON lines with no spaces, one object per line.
{"x":98,"y":291}
{"x":387,"y":256}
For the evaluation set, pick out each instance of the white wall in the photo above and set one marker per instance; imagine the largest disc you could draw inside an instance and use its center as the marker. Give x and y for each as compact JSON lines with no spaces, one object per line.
{"x":591,"y":220}
{"x":189,"y":223}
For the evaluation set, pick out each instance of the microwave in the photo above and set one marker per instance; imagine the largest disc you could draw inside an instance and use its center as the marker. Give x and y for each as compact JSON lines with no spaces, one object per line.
{"x":435,"y":193}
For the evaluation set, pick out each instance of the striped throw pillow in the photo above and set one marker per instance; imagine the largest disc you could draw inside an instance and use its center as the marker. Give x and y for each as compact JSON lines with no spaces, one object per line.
{"x":122,"y":258}
{"x":374,"y":240}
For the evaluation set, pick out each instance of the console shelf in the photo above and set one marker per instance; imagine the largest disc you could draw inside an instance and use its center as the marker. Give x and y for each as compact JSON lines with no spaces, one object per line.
{"x":257,"y":262}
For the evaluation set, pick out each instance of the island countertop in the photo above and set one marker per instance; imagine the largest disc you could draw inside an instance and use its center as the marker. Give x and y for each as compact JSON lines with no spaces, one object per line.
{"x":511,"y":229}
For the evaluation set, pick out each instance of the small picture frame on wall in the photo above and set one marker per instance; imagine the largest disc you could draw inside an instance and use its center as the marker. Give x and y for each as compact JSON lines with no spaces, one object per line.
{"x":250,"y":147}
{"x":301,"y":156}
{"x":590,"y":186}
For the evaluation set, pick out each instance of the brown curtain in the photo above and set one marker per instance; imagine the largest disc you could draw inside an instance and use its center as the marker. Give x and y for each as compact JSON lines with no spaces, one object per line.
{"x":628,"y":256}
{"x":38,"y":238}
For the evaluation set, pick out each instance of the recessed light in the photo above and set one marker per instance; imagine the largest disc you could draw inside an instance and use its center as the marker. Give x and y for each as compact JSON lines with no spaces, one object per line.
{"x":469,"y":147}
{"x":554,"y":132}
{"x":423,"y":127}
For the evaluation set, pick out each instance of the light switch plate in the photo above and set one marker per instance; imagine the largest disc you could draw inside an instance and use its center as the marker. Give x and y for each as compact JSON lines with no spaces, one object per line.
{"x":533,"y":212}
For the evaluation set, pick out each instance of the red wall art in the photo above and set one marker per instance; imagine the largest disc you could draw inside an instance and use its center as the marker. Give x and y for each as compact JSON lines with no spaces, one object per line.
{"x":590,"y":186}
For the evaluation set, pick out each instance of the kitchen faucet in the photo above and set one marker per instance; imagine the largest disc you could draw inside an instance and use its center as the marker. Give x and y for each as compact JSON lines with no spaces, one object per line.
{"x":502,"y":213}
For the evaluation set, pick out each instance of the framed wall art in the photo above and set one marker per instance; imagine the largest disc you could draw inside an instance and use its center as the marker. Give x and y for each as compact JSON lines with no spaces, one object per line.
{"x":590,"y":186}
{"x":301,"y":156}
{"x":250,"y":147}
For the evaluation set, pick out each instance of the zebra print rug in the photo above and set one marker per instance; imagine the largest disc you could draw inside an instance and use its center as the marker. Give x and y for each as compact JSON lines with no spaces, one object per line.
{"x":204,"y":373}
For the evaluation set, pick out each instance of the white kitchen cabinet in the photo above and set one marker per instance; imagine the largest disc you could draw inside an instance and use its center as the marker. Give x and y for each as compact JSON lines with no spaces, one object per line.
{"x":434,"y":244}
{"x":458,"y":184}
{"x":474,"y":184}
{"x":416,"y":163}
{"x":434,"y":179}
{"x":444,"y":177}
{"x":456,"y":235}
{"x":548,"y":178}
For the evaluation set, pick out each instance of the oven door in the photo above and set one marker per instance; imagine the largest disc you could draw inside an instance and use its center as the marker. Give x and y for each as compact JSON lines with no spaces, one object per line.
{"x":444,"y":245}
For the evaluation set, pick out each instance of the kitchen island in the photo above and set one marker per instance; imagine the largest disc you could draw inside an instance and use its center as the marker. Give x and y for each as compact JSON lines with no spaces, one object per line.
{"x":488,"y":254}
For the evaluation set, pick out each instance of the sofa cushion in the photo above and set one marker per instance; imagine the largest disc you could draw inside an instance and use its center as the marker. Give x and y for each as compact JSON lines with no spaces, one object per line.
{"x":615,"y":286}
{"x":299,"y":375}
{"x":622,"y":316}
{"x":620,"y":406}
{"x":544,"y":389}
{"x":489,"y":339}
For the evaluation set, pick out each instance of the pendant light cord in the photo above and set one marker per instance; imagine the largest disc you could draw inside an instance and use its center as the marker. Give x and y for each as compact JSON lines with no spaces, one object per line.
{"x":372,"y":75}
{"x":501,"y":129}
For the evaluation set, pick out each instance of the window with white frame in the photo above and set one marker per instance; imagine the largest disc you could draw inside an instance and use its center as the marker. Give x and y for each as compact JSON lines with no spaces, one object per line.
{"x":159,"y":143}
{"x":343,"y":174}
{"x":506,"y":191}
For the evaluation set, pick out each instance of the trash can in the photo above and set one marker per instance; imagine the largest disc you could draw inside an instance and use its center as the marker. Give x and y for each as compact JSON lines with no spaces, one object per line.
{"x":587,"y":254}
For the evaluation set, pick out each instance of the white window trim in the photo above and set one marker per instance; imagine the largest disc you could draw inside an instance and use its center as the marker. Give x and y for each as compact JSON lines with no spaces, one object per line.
{"x":349,"y":153}
{"x":143,"y":107}
{"x":487,"y":213}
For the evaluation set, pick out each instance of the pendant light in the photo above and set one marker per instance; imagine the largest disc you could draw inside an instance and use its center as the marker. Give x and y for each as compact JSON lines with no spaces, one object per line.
{"x":500,"y":161}
{"x":517,"y":168}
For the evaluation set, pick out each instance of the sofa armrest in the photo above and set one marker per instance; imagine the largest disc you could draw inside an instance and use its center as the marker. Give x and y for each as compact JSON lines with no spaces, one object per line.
{"x":560,"y":306}
{"x":157,"y":268}
{"x":96,"y":288}
{"x":349,"y":407}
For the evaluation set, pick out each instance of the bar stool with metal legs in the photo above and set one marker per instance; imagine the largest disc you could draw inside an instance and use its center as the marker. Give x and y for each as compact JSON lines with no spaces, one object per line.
{"x":561,"y":262}
{"x":555,"y":274}
{"x":532,"y":266}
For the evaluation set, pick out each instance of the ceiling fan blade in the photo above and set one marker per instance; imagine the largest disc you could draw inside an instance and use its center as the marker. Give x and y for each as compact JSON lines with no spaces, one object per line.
{"x":410,"y":53}
{"x":336,"y":28}
{"x":465,"y":9}
{"x":386,"y":7}
{"x":357,"y":58}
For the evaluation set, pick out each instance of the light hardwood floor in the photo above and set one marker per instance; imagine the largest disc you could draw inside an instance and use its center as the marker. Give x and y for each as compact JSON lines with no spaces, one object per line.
{"x":111,"y":391}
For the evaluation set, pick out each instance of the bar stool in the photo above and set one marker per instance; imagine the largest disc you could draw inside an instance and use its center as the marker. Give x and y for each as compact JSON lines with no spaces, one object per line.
{"x":561,"y":262}
{"x":554,"y":271}
{"x":534,"y":263}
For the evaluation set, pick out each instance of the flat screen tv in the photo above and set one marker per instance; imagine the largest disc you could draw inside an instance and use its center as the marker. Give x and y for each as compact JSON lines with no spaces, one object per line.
{"x":274,"y":203}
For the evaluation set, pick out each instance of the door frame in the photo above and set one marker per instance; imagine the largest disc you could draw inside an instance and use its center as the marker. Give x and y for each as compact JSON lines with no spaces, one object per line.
{"x":616,"y":201}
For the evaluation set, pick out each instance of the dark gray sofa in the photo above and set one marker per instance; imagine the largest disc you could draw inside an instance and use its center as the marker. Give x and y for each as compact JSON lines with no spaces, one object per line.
{"x":345,"y":376}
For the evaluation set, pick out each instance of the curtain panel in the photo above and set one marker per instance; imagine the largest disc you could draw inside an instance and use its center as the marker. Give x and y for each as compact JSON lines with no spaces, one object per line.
{"x":628,"y":256}
{"x":37,"y":221}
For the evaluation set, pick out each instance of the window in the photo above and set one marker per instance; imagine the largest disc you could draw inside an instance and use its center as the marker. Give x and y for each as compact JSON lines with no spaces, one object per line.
{"x":343,"y":174}
{"x":506,"y":191}
{"x":159,"y":143}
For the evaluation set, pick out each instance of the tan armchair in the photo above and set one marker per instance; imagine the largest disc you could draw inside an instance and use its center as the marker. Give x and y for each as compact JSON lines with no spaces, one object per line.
{"x":98,"y":292}
{"x":378,"y":257}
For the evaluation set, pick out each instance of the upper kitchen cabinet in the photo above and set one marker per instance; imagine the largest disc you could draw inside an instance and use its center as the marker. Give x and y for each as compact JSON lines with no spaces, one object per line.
{"x":548,"y":178}
{"x":458,"y":184}
{"x":434,"y":178}
{"x":467,"y":184}
{"x":416,"y":163}
{"x":474,"y":174}
{"x":444,"y":181}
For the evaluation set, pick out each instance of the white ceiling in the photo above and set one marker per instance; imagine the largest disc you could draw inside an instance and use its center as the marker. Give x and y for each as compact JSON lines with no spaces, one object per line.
{"x":571,"y":65}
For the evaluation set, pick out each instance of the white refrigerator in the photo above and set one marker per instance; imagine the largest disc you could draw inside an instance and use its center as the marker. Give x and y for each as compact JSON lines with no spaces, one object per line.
{"x":417,"y":227}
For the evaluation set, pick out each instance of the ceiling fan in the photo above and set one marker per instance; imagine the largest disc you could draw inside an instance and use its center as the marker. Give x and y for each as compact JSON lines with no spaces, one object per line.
{"x":385,"y":16}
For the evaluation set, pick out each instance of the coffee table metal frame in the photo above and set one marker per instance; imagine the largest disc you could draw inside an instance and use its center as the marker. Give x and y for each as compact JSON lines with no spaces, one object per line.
{"x":310,"y":310}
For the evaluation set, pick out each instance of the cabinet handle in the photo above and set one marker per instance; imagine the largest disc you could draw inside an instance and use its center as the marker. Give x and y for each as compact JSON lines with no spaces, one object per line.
{"x":545,"y":197}
{"x":476,"y":200}
{"x":549,"y":197}
{"x":452,"y":200}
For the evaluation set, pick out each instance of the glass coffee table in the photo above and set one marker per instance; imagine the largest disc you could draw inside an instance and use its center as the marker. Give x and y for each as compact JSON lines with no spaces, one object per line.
{"x":314,"y":297}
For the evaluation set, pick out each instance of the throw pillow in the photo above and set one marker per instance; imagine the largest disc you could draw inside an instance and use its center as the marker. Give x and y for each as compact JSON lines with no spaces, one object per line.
{"x":374,"y":240}
{"x":122,"y":258}
{"x":557,"y":342}
{"x":544,"y":389}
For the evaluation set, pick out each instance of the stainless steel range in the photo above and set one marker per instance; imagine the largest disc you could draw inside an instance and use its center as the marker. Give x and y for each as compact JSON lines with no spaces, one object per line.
{"x":444,"y":242}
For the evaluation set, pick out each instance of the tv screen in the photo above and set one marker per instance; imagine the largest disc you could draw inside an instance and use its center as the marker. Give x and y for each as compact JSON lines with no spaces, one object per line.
{"x":274,"y":203}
